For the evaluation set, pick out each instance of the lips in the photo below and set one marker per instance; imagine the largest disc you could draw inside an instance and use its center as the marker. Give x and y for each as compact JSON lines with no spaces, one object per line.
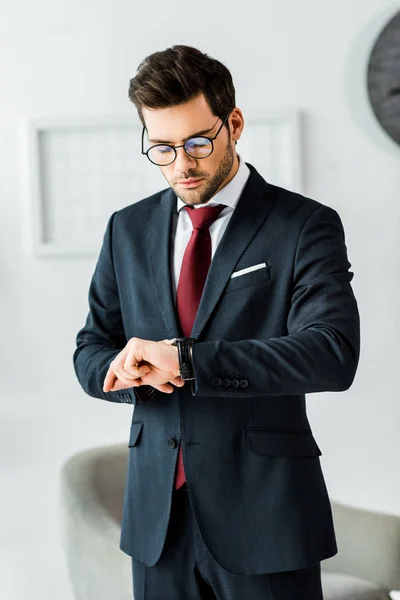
{"x":190,"y":183}
{"x":192,"y":180}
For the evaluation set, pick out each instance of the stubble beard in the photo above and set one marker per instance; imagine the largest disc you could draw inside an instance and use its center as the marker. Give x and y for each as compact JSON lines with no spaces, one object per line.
{"x":208,"y":190}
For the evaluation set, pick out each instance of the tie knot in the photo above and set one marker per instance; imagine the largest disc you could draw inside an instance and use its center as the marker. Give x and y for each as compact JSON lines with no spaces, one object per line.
{"x":203,"y":217}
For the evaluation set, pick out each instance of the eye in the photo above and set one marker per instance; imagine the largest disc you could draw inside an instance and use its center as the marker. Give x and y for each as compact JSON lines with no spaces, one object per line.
{"x":196,"y":143}
{"x":199,"y":147}
{"x":163,"y":149}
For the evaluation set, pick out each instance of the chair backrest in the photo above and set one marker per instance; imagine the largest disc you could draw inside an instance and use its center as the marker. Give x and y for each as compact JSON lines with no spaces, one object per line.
{"x":109,"y":473}
{"x":92,"y":486}
{"x":368,"y":545}
{"x":368,"y":541}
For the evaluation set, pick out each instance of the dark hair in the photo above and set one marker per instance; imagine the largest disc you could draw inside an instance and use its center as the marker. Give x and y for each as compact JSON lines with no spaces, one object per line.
{"x":179,"y":74}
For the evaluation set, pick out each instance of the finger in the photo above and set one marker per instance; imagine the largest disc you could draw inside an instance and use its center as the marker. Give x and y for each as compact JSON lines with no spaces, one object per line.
{"x":164,"y":387}
{"x":178,"y":381}
{"x":109,"y":381}
{"x":134,"y":373}
{"x":118,"y":385}
{"x":125,"y":377}
{"x":137,"y":382}
{"x":132,"y":369}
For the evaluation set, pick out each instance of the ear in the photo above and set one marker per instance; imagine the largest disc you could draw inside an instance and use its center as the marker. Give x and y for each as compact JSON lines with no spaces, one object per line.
{"x":236,"y":124}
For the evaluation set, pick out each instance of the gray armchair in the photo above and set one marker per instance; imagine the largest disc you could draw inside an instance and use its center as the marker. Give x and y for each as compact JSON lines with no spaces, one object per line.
{"x":366,"y":567}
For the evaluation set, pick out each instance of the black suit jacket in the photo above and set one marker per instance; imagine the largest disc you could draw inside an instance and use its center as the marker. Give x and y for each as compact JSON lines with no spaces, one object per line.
{"x":265,"y":339}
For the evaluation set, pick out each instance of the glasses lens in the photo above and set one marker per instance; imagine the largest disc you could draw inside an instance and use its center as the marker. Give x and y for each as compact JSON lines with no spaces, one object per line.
{"x":199,"y":147}
{"x":161,"y":155}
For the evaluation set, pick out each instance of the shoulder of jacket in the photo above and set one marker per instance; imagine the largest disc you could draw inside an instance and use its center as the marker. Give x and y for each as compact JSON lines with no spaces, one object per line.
{"x":140,"y":205}
{"x":294,"y":204}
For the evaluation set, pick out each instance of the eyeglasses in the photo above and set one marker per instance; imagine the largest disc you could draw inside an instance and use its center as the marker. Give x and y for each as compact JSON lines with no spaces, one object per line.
{"x":195,"y":147}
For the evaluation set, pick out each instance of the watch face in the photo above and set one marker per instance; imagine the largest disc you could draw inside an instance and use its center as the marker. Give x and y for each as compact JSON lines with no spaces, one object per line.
{"x":383,"y":78}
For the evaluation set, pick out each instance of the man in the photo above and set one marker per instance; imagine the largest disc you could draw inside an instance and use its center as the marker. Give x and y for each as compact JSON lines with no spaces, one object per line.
{"x":233,"y":296}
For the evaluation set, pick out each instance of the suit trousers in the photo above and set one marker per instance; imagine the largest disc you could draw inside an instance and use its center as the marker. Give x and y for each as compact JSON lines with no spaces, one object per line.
{"x":187,"y":571}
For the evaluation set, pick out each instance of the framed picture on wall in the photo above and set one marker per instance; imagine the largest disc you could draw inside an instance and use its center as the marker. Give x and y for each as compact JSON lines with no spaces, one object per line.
{"x":82,"y":169}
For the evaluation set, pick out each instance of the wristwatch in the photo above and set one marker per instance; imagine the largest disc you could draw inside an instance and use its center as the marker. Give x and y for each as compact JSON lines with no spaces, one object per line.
{"x":185,"y":361}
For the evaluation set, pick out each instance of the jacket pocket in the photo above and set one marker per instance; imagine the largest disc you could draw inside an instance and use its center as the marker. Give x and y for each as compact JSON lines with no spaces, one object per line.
{"x":136,"y":428}
{"x":283,"y":442}
{"x":247,"y":279}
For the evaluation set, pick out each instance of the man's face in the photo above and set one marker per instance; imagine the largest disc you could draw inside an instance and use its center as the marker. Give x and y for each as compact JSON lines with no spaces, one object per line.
{"x":173,"y":126}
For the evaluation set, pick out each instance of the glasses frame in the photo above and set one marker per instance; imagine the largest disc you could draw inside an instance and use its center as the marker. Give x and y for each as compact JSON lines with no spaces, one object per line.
{"x":209,"y":139}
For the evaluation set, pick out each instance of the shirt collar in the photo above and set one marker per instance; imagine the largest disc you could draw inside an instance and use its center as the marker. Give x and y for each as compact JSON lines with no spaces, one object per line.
{"x":230,"y":193}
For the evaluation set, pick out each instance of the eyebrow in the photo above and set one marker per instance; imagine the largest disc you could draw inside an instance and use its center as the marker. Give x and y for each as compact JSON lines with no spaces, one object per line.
{"x":185,"y":139}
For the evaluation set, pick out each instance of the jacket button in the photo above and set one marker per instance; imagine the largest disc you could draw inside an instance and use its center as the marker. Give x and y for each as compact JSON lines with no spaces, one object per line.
{"x":216,"y":381}
{"x":235,"y":383}
{"x":226,"y":382}
{"x":172,"y":442}
{"x":243,"y":383}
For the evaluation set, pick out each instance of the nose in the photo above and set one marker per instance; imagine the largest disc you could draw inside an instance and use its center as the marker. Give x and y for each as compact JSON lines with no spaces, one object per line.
{"x":183,"y":161}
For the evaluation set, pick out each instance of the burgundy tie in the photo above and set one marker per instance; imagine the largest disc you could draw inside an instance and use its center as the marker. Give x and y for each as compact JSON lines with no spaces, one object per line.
{"x":195,"y":265}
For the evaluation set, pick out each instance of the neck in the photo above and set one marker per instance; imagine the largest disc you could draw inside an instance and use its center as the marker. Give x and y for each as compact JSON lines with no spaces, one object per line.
{"x":235,"y":168}
{"x":231,"y":173}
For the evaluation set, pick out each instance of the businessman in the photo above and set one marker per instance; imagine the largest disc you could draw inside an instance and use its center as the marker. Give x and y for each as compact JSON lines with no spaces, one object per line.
{"x":215,"y":306}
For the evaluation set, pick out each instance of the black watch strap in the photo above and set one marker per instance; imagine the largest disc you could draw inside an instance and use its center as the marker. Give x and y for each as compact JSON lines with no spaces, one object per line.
{"x":185,"y":362}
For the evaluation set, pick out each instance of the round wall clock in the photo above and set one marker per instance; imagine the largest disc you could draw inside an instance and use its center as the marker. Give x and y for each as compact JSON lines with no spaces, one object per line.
{"x":383,"y":78}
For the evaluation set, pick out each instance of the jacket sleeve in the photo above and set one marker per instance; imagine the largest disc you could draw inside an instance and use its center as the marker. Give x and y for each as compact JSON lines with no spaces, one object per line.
{"x":320,"y":352}
{"x":103,"y":337}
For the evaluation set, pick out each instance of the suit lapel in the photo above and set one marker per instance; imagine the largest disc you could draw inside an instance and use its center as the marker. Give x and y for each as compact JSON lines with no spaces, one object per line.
{"x":250,"y":213}
{"x":158,"y":224}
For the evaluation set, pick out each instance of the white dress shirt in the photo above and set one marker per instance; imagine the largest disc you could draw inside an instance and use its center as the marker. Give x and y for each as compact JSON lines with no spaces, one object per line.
{"x":182,"y":227}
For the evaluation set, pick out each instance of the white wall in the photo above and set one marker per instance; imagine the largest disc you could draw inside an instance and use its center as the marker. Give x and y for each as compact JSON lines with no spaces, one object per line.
{"x":66,"y":58}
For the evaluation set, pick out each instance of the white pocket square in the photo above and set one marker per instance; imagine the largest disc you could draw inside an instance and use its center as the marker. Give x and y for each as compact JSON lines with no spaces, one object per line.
{"x":248,"y":269}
